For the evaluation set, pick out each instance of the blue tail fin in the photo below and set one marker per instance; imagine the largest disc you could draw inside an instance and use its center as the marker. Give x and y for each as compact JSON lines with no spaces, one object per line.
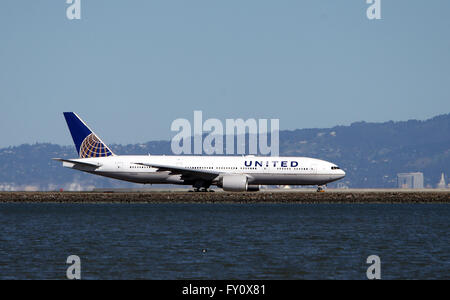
{"x":88,"y":144}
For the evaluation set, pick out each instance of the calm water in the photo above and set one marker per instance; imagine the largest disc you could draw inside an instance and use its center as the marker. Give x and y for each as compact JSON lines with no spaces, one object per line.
{"x":242,"y":241}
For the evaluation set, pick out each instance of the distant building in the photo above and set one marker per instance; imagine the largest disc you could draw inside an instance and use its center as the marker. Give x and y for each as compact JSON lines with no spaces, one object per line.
{"x":341,"y":185}
{"x":410,"y":180}
{"x":442,"y":184}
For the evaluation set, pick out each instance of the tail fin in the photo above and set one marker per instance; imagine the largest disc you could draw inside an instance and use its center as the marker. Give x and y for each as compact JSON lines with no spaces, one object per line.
{"x":88,"y":144}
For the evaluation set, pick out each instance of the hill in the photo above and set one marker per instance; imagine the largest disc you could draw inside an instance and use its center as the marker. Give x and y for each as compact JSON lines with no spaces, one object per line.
{"x":371,"y":153}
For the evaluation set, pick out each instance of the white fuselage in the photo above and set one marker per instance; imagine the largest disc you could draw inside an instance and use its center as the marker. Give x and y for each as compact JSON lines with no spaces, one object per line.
{"x":259,"y":170}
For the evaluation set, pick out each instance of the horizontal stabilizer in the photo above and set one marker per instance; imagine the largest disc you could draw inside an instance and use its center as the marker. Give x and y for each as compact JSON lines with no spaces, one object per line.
{"x":80,"y":163}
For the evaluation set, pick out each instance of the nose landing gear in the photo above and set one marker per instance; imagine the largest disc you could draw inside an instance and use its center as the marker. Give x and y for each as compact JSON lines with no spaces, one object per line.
{"x":321,"y":188}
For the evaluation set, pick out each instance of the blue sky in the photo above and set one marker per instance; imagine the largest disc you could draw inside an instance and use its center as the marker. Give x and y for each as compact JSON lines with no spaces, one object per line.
{"x":129,"y":68}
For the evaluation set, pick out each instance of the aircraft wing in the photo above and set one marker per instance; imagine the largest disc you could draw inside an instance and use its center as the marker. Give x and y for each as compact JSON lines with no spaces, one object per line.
{"x":185,"y":172}
{"x":79,"y":163}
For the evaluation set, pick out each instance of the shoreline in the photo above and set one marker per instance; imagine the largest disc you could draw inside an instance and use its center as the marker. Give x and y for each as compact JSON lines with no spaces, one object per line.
{"x":269,"y":197}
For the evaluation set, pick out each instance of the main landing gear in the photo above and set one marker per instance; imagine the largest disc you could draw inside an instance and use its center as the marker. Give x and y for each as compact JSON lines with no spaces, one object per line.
{"x":321,"y":188}
{"x":201,"y":186}
{"x":201,"y":190}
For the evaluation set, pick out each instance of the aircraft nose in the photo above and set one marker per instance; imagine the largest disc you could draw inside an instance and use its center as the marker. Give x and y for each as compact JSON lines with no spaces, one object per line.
{"x":342,"y":174}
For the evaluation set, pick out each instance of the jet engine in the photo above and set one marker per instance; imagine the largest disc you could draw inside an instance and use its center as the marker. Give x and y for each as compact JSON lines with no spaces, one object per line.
{"x":237,"y":183}
{"x":234,"y":183}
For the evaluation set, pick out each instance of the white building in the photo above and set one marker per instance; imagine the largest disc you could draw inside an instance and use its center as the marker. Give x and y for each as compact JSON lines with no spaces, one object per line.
{"x":442,"y":184}
{"x":410,"y":180}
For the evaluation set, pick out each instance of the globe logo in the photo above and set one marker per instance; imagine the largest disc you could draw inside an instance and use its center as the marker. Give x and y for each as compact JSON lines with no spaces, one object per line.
{"x":93,"y":147}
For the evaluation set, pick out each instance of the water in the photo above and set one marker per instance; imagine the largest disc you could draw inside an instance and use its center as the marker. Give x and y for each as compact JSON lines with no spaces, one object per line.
{"x":152,"y":241}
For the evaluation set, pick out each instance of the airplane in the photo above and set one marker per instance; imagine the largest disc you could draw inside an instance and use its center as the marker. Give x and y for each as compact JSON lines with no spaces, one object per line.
{"x":231,"y":173}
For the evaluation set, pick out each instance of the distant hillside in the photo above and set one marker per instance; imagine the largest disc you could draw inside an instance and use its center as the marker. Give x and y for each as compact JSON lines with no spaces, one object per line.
{"x":371,"y":153}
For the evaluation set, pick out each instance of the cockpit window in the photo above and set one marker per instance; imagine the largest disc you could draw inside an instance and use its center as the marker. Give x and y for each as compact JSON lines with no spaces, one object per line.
{"x":335,"y":168}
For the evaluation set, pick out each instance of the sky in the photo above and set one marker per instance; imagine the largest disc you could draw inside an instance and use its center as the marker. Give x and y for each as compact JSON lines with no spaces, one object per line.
{"x":130,"y":68}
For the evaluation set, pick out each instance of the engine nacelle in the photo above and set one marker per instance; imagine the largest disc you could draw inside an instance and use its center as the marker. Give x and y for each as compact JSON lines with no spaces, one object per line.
{"x":235,"y":183}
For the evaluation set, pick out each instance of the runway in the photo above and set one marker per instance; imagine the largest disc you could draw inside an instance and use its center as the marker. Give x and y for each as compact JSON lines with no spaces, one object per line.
{"x":300,"y":196}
